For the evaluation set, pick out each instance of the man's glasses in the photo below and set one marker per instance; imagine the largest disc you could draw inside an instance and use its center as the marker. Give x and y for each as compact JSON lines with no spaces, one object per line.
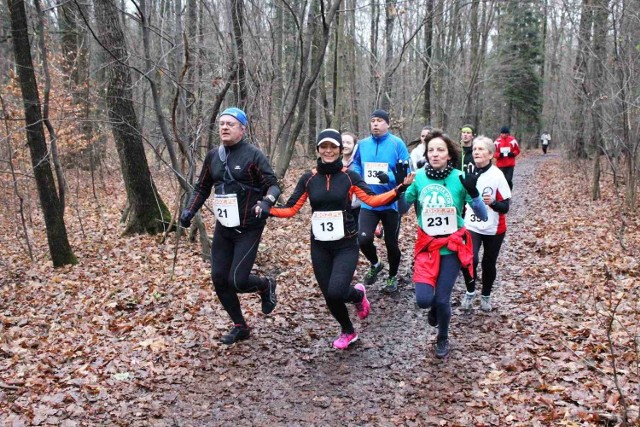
{"x":227,"y":124}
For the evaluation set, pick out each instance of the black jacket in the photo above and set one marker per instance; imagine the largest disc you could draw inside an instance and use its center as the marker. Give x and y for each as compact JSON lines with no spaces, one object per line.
{"x":329,"y":188}
{"x":251,"y":178}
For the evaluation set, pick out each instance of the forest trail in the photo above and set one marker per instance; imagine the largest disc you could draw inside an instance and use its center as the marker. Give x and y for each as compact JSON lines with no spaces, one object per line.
{"x":288,"y":374}
{"x":127,"y":337}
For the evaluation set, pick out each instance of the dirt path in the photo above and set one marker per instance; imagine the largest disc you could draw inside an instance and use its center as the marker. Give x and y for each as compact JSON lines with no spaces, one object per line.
{"x":288,"y":374}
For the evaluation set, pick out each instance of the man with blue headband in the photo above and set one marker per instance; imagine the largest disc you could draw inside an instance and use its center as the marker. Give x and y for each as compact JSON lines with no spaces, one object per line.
{"x":245,"y":187}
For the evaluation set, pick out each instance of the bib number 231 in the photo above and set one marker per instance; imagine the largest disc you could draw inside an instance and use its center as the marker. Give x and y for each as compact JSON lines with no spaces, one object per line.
{"x":439,"y":221}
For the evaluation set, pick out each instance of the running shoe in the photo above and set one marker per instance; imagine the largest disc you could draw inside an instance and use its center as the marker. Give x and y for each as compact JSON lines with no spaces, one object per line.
{"x":485,"y":303}
{"x":345,"y":340}
{"x":372,"y":273}
{"x":442,"y":347}
{"x":379,"y":233}
{"x":237,"y":333}
{"x":391,"y":285}
{"x":269,"y":297}
{"x":467,"y":300}
{"x":363,"y":306}
{"x":432,"y":317}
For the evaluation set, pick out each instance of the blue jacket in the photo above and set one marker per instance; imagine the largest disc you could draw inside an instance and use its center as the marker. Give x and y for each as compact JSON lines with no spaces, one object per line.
{"x":387,"y":148}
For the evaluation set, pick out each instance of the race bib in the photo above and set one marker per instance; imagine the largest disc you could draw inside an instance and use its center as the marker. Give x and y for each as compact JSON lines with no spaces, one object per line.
{"x":474,"y":222}
{"x":371,"y":171}
{"x":225,"y":207}
{"x":439,"y":221}
{"x":505,"y":150}
{"x":327,"y":225}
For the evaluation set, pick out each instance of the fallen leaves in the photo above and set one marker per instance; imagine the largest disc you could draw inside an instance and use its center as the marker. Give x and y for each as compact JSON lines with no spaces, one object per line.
{"x":115,"y":340}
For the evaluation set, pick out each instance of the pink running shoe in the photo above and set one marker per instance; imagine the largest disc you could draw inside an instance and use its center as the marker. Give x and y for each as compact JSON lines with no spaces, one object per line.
{"x":363,"y":307}
{"x":345,"y":340}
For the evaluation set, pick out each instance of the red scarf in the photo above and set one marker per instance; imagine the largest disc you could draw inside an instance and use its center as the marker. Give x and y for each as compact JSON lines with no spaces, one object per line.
{"x":427,"y":254}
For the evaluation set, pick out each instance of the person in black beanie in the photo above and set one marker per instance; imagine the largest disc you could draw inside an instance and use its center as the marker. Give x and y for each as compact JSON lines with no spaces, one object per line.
{"x":334,"y":248}
{"x":377,"y":160}
{"x":507,"y":149}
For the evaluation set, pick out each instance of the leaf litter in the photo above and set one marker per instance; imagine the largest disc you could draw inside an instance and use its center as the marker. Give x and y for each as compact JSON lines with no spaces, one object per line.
{"x":117,"y":340}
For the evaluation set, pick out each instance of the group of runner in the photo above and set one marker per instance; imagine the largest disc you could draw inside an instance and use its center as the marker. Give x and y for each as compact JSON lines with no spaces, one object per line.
{"x":460,"y":201}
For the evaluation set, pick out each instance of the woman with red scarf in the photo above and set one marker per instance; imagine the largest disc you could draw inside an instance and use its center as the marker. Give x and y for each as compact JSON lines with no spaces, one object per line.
{"x":443,"y":244}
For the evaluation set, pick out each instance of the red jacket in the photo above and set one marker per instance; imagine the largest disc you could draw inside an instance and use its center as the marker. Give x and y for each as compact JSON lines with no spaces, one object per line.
{"x":505,"y":145}
{"x":427,"y":254}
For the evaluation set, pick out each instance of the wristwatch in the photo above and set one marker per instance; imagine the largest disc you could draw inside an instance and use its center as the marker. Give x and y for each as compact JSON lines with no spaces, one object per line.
{"x":270,"y":198}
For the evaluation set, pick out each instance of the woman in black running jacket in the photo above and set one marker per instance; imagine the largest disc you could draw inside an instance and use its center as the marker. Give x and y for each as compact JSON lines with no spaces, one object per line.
{"x":334,"y":246}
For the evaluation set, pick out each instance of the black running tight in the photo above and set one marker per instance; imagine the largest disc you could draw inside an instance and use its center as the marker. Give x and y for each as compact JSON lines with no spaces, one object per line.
{"x":333,"y":265}
{"x":232,"y":256}
{"x":491,"y":245}
{"x":391,"y":223}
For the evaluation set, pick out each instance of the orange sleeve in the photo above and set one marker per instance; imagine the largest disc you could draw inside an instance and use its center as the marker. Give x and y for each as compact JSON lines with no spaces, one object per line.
{"x":289,"y":212}
{"x":375,"y":200}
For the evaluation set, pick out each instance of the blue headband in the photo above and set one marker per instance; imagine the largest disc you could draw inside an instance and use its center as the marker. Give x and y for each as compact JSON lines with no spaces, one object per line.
{"x":237,"y":114}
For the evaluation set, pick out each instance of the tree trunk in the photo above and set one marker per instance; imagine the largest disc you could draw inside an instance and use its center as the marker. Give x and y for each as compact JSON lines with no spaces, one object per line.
{"x":476,"y":65}
{"x":351,"y":64}
{"x":578,"y":148}
{"x":600,"y":30}
{"x":59,"y":248}
{"x":75,"y":63}
{"x":374,"y":67}
{"x":385,"y":88}
{"x":428,"y":53}
{"x":310,"y":63}
{"x":147,"y":211}
{"x":237,"y":13}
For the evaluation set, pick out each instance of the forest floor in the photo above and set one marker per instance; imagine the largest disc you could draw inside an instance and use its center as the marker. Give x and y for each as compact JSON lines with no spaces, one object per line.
{"x":127,"y":338}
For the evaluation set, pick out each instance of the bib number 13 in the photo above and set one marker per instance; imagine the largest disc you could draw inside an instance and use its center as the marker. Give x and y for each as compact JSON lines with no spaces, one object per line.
{"x":327,"y":225}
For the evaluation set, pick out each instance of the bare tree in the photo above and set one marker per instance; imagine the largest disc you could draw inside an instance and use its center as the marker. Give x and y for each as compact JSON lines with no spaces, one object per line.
{"x":146,"y":212}
{"x":59,"y":248}
{"x":307,"y":69}
{"x":578,"y":148}
{"x":237,"y":18}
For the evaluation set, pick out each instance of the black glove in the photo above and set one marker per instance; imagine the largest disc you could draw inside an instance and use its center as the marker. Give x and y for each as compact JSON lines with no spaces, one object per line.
{"x":504,"y":155}
{"x":264,"y":209}
{"x":401,"y":171}
{"x":470,"y":181}
{"x":185,"y":218}
{"x":400,"y":189}
{"x":383,"y":177}
{"x":421,"y":163}
{"x":510,"y":154}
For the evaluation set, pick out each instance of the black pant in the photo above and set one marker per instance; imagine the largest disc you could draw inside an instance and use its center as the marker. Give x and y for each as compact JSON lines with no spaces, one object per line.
{"x":492,"y":245}
{"x":333,"y":265}
{"x":544,"y":148}
{"x":391,"y":223}
{"x":508,"y":174}
{"x":232,"y":256}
